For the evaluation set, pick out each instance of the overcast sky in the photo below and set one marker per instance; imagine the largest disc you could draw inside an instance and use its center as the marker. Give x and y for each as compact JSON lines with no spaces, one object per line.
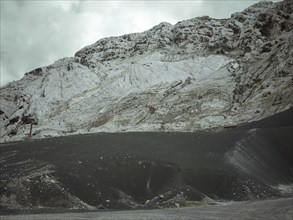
{"x":35,"y":33}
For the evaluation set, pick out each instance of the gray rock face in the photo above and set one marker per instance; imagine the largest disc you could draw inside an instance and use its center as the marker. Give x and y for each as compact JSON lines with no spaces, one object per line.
{"x":198,"y":74}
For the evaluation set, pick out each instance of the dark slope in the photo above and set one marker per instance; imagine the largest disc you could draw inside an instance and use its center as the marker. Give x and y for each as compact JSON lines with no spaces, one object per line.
{"x":148,"y":170}
{"x":283,"y":119}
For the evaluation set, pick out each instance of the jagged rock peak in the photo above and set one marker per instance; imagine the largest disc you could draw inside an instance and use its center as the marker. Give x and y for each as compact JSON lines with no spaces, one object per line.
{"x":198,"y":74}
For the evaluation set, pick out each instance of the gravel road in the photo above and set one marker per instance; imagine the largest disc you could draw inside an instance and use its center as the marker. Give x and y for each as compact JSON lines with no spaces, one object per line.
{"x":279,"y":209}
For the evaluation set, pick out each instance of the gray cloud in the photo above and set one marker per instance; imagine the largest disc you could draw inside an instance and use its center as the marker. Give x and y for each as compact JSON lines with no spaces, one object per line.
{"x":37,"y":33}
{"x":34,"y":34}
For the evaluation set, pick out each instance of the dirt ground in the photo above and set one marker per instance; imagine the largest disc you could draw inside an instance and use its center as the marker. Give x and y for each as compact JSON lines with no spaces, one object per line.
{"x":267,"y":209}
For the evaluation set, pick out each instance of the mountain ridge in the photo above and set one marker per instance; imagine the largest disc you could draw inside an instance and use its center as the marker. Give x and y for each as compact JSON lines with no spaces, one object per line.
{"x":198,"y":74}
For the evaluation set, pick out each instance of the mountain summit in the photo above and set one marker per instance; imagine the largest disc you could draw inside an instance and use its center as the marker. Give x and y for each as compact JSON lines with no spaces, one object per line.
{"x":199,"y":74}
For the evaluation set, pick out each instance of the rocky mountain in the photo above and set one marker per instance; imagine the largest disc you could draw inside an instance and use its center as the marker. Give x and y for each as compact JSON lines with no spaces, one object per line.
{"x":199,"y":74}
